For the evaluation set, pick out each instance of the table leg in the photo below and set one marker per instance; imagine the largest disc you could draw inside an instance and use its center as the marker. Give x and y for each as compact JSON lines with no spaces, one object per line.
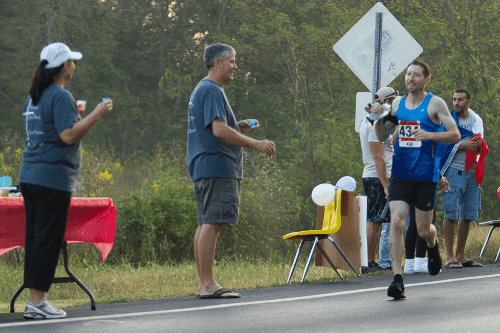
{"x":74,"y":278}
{"x":71,"y":278}
{"x":13,"y":300}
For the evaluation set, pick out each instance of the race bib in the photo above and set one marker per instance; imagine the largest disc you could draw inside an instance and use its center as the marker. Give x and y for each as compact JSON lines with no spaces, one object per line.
{"x":406,"y":138}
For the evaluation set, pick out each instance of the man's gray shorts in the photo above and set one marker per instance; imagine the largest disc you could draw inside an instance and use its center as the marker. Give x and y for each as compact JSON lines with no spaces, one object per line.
{"x":217,"y":200}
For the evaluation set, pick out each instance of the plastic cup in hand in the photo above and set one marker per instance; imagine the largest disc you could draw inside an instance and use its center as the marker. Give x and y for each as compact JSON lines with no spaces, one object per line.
{"x":253,"y":123}
{"x":81,"y":105}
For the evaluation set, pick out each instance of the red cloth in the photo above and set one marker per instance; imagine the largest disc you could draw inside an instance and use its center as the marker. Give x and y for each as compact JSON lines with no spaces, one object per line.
{"x":471,"y":159}
{"x":89,"y":220}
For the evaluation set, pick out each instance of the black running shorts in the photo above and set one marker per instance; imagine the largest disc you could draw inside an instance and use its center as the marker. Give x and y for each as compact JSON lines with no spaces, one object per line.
{"x":419,"y":193}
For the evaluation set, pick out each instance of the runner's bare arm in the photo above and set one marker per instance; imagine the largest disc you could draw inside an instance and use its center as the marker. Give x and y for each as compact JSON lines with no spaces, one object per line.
{"x":439,"y":113}
{"x":377,"y":150}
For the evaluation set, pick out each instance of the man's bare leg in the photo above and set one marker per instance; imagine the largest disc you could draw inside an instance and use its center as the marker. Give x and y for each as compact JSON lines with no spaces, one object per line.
{"x":399,"y":210}
{"x":428,"y":231}
{"x":462,"y":234}
{"x":373,"y":236}
{"x":196,"y":259}
{"x":425,"y":228}
{"x":449,"y":238}
{"x":207,"y":240}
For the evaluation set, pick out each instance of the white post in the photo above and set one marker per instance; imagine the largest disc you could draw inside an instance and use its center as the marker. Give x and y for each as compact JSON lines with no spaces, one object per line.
{"x":363,"y":204}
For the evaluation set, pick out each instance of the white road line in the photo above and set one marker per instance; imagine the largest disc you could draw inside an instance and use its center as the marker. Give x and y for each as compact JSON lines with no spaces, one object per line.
{"x":230,"y":305}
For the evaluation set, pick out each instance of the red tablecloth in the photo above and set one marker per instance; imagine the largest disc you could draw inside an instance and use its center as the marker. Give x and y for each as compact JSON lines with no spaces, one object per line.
{"x":90,"y":220}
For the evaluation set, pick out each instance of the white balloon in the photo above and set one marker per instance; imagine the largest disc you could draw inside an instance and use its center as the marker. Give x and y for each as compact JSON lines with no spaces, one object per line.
{"x":323,"y":194}
{"x":346,"y":183}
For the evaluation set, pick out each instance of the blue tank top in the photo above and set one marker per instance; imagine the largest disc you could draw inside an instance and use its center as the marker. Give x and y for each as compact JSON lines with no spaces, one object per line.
{"x":420,"y":163}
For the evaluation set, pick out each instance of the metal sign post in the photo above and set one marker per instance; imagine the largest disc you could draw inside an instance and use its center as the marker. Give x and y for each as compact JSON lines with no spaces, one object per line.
{"x":378,"y":54}
{"x":356,"y":49}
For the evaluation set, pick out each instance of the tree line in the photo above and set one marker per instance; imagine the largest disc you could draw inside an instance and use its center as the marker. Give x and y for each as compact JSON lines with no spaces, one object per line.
{"x":147,"y":56}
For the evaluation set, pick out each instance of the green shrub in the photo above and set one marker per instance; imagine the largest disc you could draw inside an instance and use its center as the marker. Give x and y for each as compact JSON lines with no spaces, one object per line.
{"x":270,"y":207}
{"x":11,"y":151}
{"x":156,"y":224}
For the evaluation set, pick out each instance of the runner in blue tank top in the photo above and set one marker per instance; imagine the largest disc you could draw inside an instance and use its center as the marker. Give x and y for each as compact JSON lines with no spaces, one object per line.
{"x":424,"y":120}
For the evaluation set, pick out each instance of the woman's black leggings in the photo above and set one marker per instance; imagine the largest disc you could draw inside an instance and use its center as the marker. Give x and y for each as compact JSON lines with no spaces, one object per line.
{"x":46,"y":216}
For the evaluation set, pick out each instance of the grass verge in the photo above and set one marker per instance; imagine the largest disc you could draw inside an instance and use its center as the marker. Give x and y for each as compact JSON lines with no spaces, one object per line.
{"x":124,"y":283}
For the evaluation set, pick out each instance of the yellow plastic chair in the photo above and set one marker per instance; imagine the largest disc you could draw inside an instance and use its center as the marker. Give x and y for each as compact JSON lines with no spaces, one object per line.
{"x":331,"y":224}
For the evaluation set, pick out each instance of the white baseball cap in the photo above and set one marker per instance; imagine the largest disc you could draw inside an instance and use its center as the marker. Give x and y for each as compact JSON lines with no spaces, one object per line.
{"x":57,"y":54}
{"x":384,"y":93}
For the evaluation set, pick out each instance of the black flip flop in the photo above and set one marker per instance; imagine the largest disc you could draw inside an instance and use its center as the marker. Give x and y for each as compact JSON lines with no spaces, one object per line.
{"x":220,"y":294}
{"x":454,"y":265}
{"x":471,"y":263}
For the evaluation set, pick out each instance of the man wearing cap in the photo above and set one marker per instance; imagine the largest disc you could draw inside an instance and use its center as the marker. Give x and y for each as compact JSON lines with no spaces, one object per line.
{"x":424,"y":120}
{"x":377,"y":158}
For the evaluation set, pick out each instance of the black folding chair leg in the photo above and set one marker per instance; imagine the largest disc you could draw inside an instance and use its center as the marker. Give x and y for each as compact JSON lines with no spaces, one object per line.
{"x":329,"y":261}
{"x":295,"y":260}
{"x":486,"y":242}
{"x":343,"y":256}
{"x":309,"y":259}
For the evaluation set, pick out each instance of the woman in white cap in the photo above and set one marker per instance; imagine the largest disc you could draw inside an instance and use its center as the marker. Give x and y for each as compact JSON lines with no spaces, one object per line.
{"x":51,"y":163}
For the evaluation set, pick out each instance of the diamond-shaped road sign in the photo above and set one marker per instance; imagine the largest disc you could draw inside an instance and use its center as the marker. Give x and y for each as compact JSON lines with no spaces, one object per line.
{"x":356,"y":47}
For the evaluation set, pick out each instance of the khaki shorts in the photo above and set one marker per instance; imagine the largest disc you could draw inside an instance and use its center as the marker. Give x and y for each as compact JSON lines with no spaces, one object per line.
{"x":217,"y":200}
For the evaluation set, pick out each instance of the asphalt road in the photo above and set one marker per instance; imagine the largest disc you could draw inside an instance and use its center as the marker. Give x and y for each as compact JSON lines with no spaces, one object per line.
{"x":460,"y":300}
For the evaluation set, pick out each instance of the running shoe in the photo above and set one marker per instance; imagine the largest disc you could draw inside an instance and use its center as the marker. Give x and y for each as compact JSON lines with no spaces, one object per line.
{"x":409,"y":266}
{"x":434,"y":262}
{"x":421,"y":265}
{"x":44,"y":310}
{"x":396,"y":290}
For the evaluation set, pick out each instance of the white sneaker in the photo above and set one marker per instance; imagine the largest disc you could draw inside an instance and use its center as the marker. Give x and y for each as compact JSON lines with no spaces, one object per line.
{"x":420,"y":265}
{"x":409,"y":265}
{"x":44,"y":310}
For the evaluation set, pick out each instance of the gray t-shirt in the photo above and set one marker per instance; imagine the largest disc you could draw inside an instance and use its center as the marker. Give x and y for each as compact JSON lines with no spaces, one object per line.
{"x":47,"y":160}
{"x":367,"y":134}
{"x":469,"y":123}
{"x":207,"y":155}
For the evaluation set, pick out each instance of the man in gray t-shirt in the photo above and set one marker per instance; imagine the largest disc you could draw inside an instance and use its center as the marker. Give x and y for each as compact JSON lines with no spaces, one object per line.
{"x":377,"y":158}
{"x":462,"y":202}
{"x":214,"y":161}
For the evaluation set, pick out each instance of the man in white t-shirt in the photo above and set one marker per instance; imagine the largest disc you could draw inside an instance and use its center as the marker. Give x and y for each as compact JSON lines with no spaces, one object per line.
{"x":377,"y":158}
{"x":463,"y":201}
